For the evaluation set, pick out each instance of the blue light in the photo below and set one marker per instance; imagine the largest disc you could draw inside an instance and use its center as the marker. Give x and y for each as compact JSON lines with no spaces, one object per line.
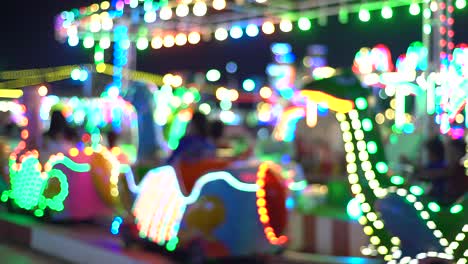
{"x":408,"y":128}
{"x":252,"y":30}
{"x":73,"y":41}
{"x":83,"y":75}
{"x":281,"y":48}
{"x":285,"y":59}
{"x":289,"y":203}
{"x":75,"y":74}
{"x":322,"y":109}
{"x":287,"y":93}
{"x":236,"y":32}
{"x":353,"y":209}
{"x":231,"y":67}
{"x":115,"y":227}
{"x":248,"y":85}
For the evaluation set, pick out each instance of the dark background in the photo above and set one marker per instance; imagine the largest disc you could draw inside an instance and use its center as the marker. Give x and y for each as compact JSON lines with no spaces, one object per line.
{"x":27,"y":41}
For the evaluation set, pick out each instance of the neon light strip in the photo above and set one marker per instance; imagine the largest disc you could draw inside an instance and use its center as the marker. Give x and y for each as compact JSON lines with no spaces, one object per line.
{"x":311,"y":115}
{"x":335,"y":104}
{"x":287,"y":123}
{"x":219,"y":175}
{"x":60,"y":159}
{"x":400,"y":119}
{"x":298,"y":186}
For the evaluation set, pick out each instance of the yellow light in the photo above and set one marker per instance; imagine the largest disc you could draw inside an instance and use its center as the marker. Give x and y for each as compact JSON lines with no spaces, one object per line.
{"x":443,"y":242}
{"x":349,"y":147}
{"x":344,"y":126}
{"x":221,"y":34}
{"x":347,"y":136}
{"x":350,"y":157}
{"x":335,"y":104}
{"x":11,"y":93}
{"x":101,"y":67}
{"x":177,"y":81}
{"x":382,"y":250}
{"x":105,"y":5}
{"x":88,"y":151}
{"x":365,"y":207}
{"x":285,"y":25}
{"x":194,"y":38}
{"x":379,"y":118}
{"x":393,"y":103}
{"x":351,"y":168}
{"x":167,"y":79}
{"x":459,"y":118}
{"x":358,"y":134}
{"x":180,"y":39}
{"x":168,"y":41}
{"x":266,"y":92}
{"x":352,"y":178}
{"x":374,"y":240}
{"x":340,"y":117}
{"x":356,"y":188}
{"x":268,"y":28}
{"x":395,"y":241}
{"x":42,"y":90}
{"x":362,"y":220}
{"x":390,"y":114}
{"x":165,"y":13}
{"x":368,"y":230}
{"x":199,"y":9}
{"x":73,"y":152}
{"x":372,"y":216}
{"x":182,"y":10}
{"x":219,"y":4}
{"x":363,"y":155}
{"x":356,"y":124}
{"x":157,"y":43}
{"x":234,"y":95}
{"x":379,"y":225}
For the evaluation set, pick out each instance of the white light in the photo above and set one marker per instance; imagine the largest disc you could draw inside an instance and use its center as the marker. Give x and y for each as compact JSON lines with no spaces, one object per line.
{"x":221,"y":34}
{"x":199,"y":9}
{"x":194,"y":37}
{"x":219,"y":4}
{"x":182,"y":10}
{"x":236,"y":32}
{"x":251,"y":30}
{"x":165,"y":13}
{"x":285,"y":26}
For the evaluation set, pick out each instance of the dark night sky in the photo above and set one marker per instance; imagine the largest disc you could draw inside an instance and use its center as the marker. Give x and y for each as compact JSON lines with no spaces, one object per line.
{"x":27,"y":41}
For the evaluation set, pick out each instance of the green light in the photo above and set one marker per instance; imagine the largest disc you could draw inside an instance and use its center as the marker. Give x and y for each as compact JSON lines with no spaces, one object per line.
{"x":456,"y":209}
{"x":414,"y":9}
{"x":427,"y":29}
{"x":367,"y":125}
{"x":304,"y":24}
{"x":213,"y":75}
{"x":343,"y":16}
{"x":434,"y":207}
{"x":142,"y":43}
{"x":387,"y":12}
{"x":460,"y":4}
{"x":364,"y":15}
{"x":88,"y":42}
{"x":248,"y":85}
{"x":416,"y":190}
{"x":397,"y":180}
{"x":372,"y":147}
{"x":361,"y":103}
{"x":381,"y":167}
{"x":225,"y":105}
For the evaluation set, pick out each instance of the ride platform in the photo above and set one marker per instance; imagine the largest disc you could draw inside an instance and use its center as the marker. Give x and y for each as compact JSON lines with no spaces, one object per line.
{"x":90,"y":243}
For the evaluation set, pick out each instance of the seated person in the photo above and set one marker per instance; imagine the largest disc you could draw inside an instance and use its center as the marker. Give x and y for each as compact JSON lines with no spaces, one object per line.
{"x":195,"y":145}
{"x":59,"y":137}
{"x":447,"y":177}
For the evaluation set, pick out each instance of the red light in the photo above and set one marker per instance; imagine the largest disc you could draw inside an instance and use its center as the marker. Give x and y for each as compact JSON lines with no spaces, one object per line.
{"x":442,"y":43}
{"x":451,"y":45}
{"x":450,"y":21}
{"x":450,"y":9}
{"x":443,"y":30}
{"x":451,"y":33}
{"x":442,"y":18}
